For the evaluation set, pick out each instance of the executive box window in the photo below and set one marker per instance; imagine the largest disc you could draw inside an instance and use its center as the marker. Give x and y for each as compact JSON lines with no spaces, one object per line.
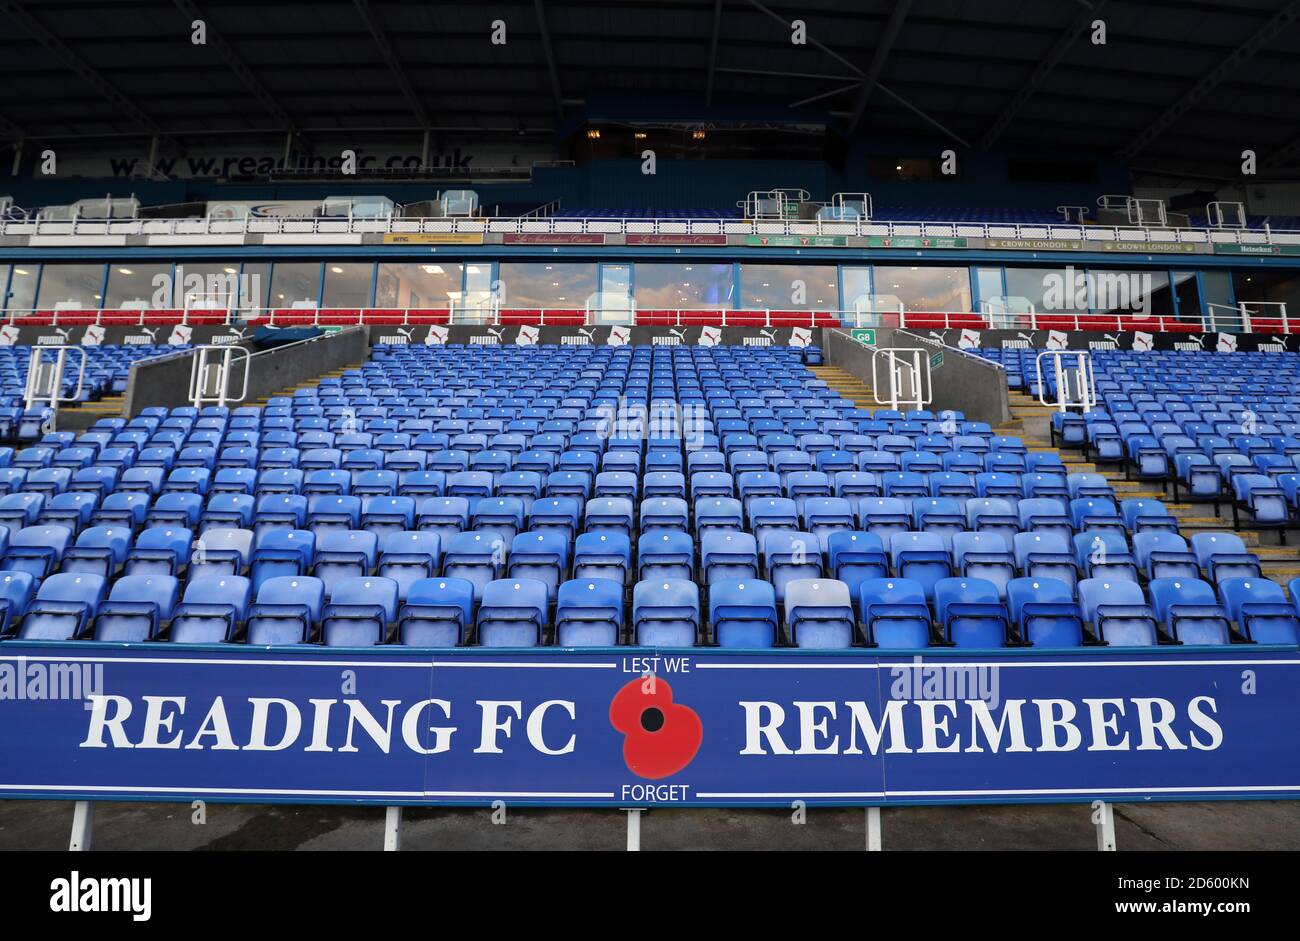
{"x":1050,"y":290}
{"x":684,"y":287}
{"x":255,"y":286}
{"x":418,"y":285}
{"x":347,"y":284}
{"x":22,"y":288}
{"x":856,"y":286}
{"x":1130,"y":293}
{"x":137,"y":287}
{"x":1263,"y":289}
{"x":531,"y":285}
{"x":295,"y":283}
{"x":217,"y":286}
{"x":920,"y":288}
{"x":71,"y":286}
{"x":789,"y":287}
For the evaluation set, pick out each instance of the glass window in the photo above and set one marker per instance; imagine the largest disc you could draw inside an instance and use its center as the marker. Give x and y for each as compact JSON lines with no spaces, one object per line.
{"x":22,"y":288}
{"x":1189,"y":295}
{"x":71,"y":286}
{"x":940,"y":290}
{"x":1138,"y":293}
{"x":480,"y":293}
{"x":989,"y":284}
{"x":427,"y":286}
{"x":684,"y":287}
{"x":789,"y":287}
{"x":1050,"y":290}
{"x":295,"y":283}
{"x":254,"y":285}
{"x":856,"y":284}
{"x":134,"y":286}
{"x":531,"y":285}
{"x":347,"y":284}
{"x":1263,"y":289}
{"x":209,"y":286}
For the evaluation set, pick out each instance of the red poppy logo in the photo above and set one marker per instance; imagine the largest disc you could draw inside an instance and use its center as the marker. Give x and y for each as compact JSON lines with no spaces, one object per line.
{"x":662,"y":736}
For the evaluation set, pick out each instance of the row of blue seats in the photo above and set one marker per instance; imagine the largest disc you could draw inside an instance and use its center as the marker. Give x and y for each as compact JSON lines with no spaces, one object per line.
{"x":816,"y":613}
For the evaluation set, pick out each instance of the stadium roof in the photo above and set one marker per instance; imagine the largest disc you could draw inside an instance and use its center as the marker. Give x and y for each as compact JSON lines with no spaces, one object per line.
{"x":1178,"y":83}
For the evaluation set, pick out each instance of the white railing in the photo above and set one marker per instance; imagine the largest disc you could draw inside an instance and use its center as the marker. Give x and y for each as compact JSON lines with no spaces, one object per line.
{"x":559,"y":225}
{"x":1218,"y":318}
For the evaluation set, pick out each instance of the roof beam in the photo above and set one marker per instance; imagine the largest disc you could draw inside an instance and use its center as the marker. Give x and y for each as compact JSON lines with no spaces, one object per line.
{"x":81,"y":67}
{"x":551,"y":68}
{"x":386,"y":50}
{"x":883,"y":48}
{"x":11,"y":130}
{"x":1238,"y":57}
{"x":239,"y":67}
{"x":713,"y":51}
{"x":862,"y":75}
{"x":1045,"y":66}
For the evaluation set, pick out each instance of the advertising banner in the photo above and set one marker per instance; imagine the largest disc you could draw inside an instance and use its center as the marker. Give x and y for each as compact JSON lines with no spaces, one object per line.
{"x":642,"y":726}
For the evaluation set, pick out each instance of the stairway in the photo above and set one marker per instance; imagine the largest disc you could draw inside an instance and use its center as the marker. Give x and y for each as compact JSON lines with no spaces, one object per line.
{"x":1030,"y":421}
{"x":846,"y":385}
{"x":309,"y":384}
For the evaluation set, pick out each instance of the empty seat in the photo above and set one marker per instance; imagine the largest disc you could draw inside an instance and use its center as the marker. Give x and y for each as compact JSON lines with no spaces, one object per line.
{"x":589,"y":613}
{"x":971,"y":613}
{"x":895,"y":613}
{"x":1260,"y":610}
{"x":819,"y":613}
{"x":136,"y":607}
{"x":742,"y":612}
{"x":1045,"y":613}
{"x":512,"y":613}
{"x":286,"y":611}
{"x":666,"y":613}
{"x":360,"y":611}
{"x":1118,"y":612}
{"x":211,"y":610}
{"x":1190,"y":611}
{"x":63,"y":608}
{"x":438,"y":613}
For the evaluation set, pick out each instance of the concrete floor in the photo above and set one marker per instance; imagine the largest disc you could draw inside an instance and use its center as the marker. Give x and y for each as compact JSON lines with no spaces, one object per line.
{"x":27,"y":825}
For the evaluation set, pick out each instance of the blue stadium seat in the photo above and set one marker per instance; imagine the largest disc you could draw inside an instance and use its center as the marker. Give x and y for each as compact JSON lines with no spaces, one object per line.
{"x":359,"y":612}
{"x":895,"y":613}
{"x":63,"y":608}
{"x":136,"y":608}
{"x":1190,"y":611}
{"x":438,"y":612}
{"x":666,"y":613}
{"x":589,"y":613}
{"x":1045,"y":612}
{"x":1118,"y":612}
{"x":1260,"y":610}
{"x":512,"y":613}
{"x":286,"y":611}
{"x":971,"y":613}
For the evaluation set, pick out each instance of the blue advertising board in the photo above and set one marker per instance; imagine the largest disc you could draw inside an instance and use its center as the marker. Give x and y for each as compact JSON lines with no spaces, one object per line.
{"x":642,"y":727}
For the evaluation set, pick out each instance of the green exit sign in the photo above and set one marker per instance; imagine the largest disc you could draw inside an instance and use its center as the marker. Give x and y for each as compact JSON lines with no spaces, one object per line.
{"x":863,"y":335}
{"x":936,"y":360}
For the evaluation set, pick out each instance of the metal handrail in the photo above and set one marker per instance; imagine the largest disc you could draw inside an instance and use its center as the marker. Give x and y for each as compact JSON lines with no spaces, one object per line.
{"x":475,"y":225}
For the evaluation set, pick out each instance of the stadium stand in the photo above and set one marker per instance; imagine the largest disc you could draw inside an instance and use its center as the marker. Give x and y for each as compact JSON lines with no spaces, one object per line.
{"x":635,"y":495}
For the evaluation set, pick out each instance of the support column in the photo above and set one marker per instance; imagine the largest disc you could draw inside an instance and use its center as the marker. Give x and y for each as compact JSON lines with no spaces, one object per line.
{"x":873,"y":829}
{"x":392,"y":829}
{"x":1103,"y":818}
{"x":634,"y":831}
{"x":83,"y":824}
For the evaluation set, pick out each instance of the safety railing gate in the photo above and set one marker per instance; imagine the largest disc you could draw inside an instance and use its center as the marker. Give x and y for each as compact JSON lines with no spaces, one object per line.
{"x":45,"y":378}
{"x":1075,"y":384}
{"x":907,"y":378}
{"x":210,"y":371}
